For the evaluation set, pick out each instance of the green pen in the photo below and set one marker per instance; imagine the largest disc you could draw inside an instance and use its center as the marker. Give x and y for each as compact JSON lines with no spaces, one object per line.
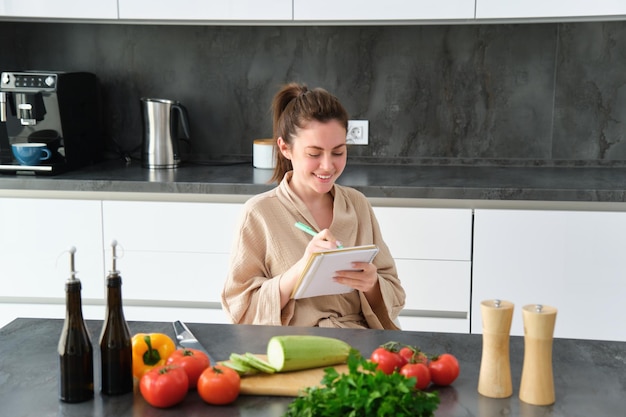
{"x":307,"y":229}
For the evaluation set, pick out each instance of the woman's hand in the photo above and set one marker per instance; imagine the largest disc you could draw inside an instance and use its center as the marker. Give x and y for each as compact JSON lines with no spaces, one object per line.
{"x":364,"y":279}
{"x":324,"y":240}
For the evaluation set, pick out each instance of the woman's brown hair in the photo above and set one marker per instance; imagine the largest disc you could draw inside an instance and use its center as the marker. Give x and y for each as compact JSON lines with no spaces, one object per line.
{"x":292,"y":108}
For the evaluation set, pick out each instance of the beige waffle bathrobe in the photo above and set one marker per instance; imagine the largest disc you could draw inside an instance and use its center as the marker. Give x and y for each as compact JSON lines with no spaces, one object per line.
{"x":267,"y":244}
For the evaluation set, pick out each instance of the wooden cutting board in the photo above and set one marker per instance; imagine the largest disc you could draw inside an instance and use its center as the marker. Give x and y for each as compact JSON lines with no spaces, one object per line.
{"x":285,"y":384}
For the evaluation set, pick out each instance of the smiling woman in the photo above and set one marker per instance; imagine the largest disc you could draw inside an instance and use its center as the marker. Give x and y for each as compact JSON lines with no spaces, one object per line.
{"x":269,"y":253}
{"x":317,"y":158}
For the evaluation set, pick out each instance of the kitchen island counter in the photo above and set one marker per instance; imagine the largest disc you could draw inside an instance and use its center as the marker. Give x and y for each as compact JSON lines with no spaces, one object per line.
{"x":590,"y":376}
{"x":465,"y":186}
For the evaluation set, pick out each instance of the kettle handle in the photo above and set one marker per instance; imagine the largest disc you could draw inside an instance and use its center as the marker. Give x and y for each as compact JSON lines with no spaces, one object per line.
{"x":184,"y":118}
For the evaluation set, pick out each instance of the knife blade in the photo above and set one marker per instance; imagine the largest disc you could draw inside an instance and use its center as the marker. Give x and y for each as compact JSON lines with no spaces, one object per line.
{"x":186,"y":339}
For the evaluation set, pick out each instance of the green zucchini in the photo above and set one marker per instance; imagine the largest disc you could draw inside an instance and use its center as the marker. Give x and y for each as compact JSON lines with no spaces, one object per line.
{"x":250,"y":361}
{"x":259,"y":363}
{"x":294,"y":352}
{"x":240,"y":368}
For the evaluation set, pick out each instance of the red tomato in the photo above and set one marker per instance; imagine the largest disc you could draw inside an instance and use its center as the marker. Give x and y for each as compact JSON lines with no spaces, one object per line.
{"x":444,"y":369}
{"x":406,"y":353}
{"x":164,"y":386}
{"x":413,"y":355}
{"x":420,"y":357}
{"x":386,"y":360}
{"x":419,"y":371}
{"x":219,"y":385}
{"x":193,"y":361}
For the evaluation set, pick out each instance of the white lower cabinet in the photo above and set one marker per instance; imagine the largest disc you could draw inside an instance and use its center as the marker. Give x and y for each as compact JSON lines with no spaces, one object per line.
{"x":173,"y":257}
{"x":35,"y":238}
{"x":438,"y":295}
{"x":571,"y":260}
{"x":432,"y":250}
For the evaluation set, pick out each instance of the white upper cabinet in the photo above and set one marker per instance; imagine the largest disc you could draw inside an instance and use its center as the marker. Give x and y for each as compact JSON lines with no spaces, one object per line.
{"x":376,"y":10}
{"x":310,"y":11}
{"x":206,"y":10}
{"x":59,"y":9}
{"x":528,"y":9}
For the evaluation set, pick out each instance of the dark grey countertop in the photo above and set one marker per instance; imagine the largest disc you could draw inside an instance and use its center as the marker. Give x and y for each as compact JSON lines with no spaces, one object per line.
{"x":462,"y":182}
{"x":589,"y":376}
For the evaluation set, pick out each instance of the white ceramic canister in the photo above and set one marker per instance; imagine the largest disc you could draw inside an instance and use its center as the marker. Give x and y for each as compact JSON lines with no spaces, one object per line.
{"x":263,"y":153}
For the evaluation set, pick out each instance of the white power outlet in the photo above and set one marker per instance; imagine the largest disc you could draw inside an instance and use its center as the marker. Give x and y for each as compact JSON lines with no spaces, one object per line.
{"x":358,"y":132}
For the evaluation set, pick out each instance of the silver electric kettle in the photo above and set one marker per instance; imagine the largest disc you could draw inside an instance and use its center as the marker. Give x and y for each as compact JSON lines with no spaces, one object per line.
{"x":161,"y":119}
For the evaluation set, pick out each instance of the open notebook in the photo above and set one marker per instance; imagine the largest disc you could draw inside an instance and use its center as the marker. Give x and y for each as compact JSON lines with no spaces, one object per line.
{"x":317,"y":277}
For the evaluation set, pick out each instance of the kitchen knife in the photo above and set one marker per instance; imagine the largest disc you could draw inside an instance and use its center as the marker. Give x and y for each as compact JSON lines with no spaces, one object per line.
{"x":187,"y":340}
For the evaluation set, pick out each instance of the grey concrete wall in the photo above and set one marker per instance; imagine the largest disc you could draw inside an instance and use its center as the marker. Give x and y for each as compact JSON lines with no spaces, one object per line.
{"x":491,"y":94}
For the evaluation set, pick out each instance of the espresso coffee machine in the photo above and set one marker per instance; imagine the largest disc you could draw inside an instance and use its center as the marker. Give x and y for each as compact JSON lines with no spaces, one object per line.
{"x":60,"y":109}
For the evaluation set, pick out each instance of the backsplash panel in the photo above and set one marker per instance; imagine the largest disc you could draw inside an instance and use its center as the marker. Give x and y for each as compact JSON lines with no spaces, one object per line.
{"x":482,"y":94}
{"x":590,"y":105}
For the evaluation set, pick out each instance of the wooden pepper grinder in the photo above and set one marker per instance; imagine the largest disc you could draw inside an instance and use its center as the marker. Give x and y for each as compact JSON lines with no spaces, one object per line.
{"x":537,"y":385}
{"x":494,"y":380}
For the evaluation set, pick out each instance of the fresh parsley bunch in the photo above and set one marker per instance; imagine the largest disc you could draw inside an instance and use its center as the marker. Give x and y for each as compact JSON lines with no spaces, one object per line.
{"x":363,"y":392}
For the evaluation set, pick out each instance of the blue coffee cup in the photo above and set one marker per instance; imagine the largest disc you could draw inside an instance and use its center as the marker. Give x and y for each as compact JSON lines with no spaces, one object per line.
{"x":31,"y":153}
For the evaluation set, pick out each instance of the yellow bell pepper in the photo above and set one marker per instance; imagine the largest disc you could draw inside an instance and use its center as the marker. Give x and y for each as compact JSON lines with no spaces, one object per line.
{"x":150,"y":350}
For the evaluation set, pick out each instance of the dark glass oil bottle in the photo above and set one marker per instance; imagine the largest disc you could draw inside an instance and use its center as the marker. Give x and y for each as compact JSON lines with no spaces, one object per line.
{"x":75,"y":350}
{"x":115,"y":340}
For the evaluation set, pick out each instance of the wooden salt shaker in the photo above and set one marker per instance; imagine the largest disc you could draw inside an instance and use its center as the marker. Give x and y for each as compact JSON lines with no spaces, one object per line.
{"x":537,"y":385}
{"x":494,"y":380}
